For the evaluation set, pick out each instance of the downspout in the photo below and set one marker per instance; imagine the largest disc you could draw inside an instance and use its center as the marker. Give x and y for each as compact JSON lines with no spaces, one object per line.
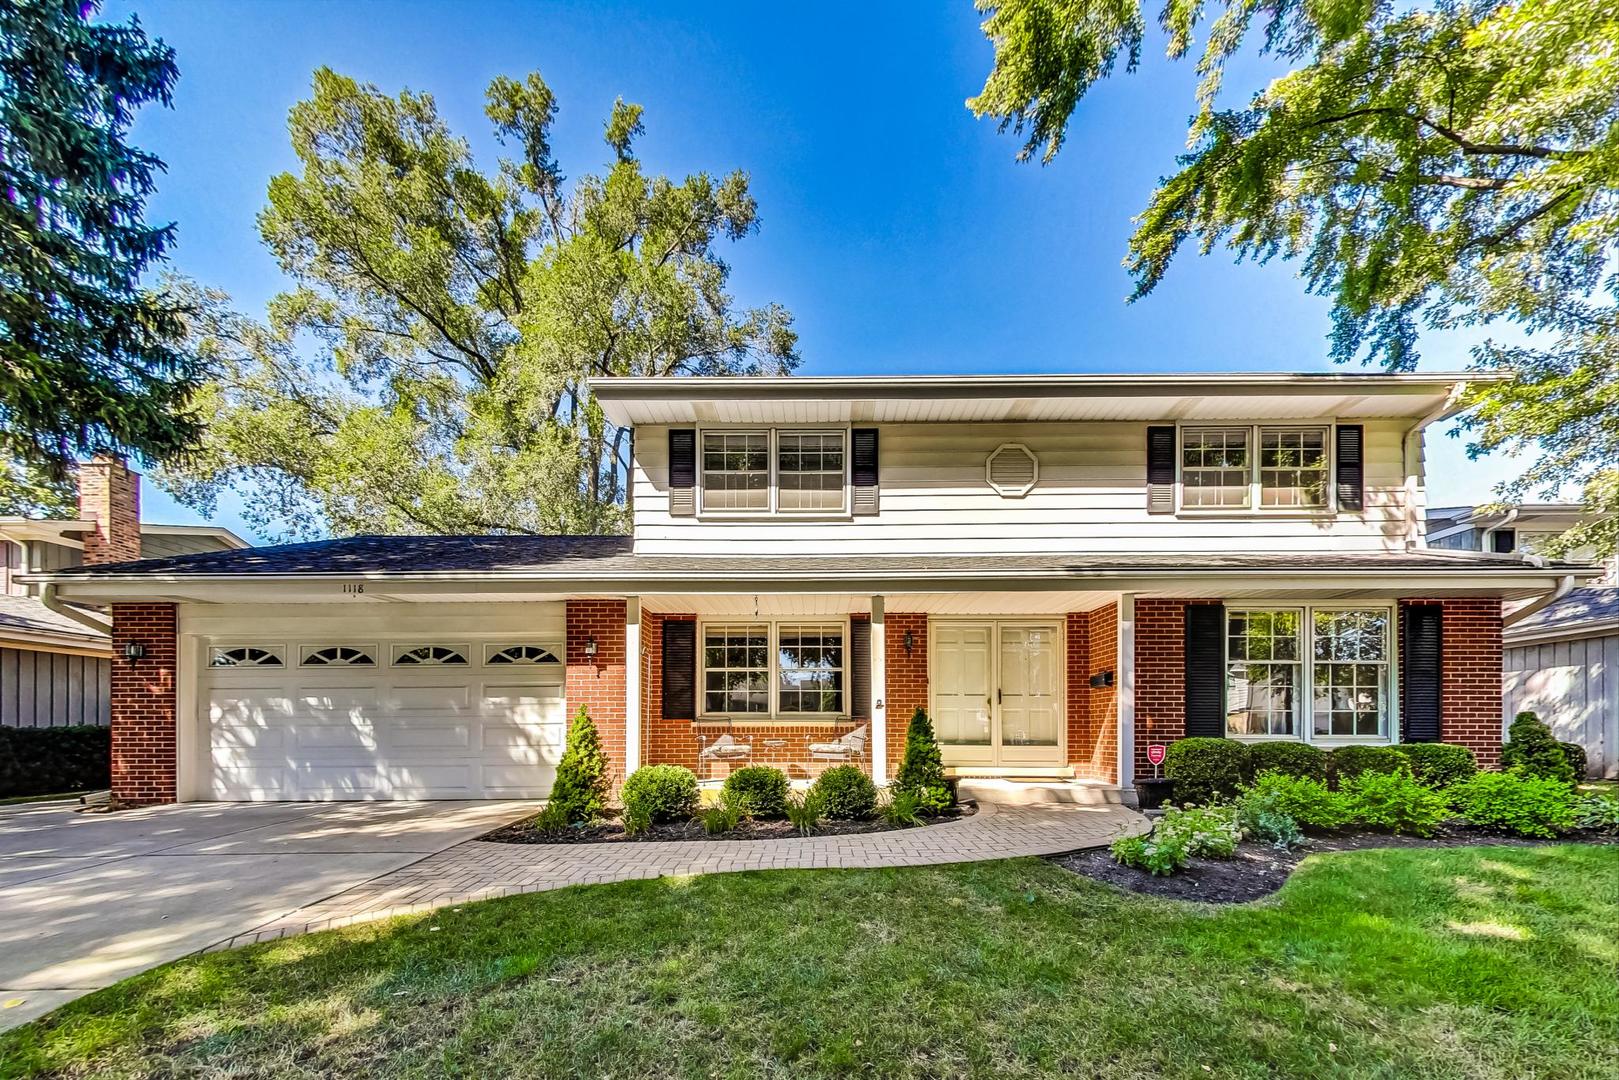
{"x":47,"y":596}
{"x":1416,"y":535}
{"x":1565,"y":585}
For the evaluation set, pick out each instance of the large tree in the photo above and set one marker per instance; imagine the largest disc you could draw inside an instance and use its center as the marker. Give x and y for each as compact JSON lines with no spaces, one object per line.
{"x":426,"y":373}
{"x":89,"y":358}
{"x":1432,"y":166}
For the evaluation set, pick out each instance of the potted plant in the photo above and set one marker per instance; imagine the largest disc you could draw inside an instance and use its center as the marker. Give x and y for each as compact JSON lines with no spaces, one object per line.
{"x":1153,"y":791}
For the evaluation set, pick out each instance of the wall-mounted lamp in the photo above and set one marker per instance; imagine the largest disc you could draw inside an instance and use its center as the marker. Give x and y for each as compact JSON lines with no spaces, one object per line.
{"x":910,"y":642}
{"x":133,"y":651}
{"x":590,"y":645}
{"x":1101,"y":679}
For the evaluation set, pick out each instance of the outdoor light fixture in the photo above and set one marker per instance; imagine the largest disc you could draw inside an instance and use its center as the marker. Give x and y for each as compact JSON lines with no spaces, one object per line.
{"x":133,"y":651}
{"x":590,"y":645}
{"x":1101,"y":679}
{"x":910,"y":641}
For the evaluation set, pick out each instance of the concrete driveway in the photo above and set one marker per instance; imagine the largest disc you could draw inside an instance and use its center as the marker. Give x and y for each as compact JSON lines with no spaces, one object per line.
{"x":88,"y":899}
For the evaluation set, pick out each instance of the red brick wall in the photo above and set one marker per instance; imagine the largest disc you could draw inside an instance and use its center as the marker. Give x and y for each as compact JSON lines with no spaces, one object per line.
{"x":1470,"y":706}
{"x":597,"y":682}
{"x":907,"y":678}
{"x":1093,"y":730}
{"x":145,"y":752}
{"x":110,"y":496}
{"x":1160,"y":675}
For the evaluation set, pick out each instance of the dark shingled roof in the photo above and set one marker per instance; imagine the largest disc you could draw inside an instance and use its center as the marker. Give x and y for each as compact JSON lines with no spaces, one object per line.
{"x":1580,"y":607}
{"x":587,"y":556}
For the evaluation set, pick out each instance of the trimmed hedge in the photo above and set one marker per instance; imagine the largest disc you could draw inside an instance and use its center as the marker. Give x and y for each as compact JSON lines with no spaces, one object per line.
{"x":1207,"y":769}
{"x":1348,"y":762}
{"x":49,"y":761}
{"x":846,"y":792}
{"x":656,"y":793}
{"x":1289,"y":758}
{"x":759,"y":791}
{"x":1439,"y":765}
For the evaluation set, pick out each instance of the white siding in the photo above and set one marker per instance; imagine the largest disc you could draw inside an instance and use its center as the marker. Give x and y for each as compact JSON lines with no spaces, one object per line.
{"x":1574,"y":687}
{"x":1091,"y":497}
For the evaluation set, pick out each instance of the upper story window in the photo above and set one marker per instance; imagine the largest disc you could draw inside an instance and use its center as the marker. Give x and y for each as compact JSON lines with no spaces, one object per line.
{"x":1240,"y":468}
{"x":774,"y":471}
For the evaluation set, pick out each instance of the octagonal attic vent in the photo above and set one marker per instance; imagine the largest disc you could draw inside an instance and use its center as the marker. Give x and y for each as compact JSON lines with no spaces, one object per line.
{"x":1012,"y":470}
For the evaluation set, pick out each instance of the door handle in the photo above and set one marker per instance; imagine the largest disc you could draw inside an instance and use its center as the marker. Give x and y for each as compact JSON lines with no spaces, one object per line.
{"x":997,"y":695}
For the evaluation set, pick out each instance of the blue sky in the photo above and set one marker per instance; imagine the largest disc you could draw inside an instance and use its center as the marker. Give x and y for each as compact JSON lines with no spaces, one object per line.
{"x":899,"y":230}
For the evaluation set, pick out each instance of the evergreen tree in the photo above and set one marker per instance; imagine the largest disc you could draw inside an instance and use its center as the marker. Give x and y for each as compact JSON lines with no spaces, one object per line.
{"x":1533,"y":750}
{"x":89,"y":359}
{"x":921,"y":770}
{"x":582,"y":777}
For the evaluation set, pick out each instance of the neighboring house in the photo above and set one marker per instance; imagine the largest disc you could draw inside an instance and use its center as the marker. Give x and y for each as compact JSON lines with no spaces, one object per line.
{"x":1064,"y":570}
{"x":1521,"y":529}
{"x":55,"y":665}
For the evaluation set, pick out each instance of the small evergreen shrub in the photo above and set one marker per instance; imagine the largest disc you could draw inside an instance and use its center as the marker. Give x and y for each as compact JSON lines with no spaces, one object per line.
{"x":1532,"y":750}
{"x":1393,"y":802}
{"x":1310,"y":804}
{"x":52,"y":761}
{"x":1292,"y":758}
{"x":1438,"y":765}
{"x":759,"y":791}
{"x":1207,"y":831}
{"x":655,"y":793}
{"x":1348,"y":762}
{"x":921,"y":770}
{"x":846,"y":792}
{"x":1157,"y":855}
{"x":580,"y":790}
{"x":1599,"y":813}
{"x":1575,"y":753}
{"x":1516,"y":802}
{"x":722,"y":817}
{"x":901,"y":809}
{"x":1206,"y":770}
{"x":806,"y":812}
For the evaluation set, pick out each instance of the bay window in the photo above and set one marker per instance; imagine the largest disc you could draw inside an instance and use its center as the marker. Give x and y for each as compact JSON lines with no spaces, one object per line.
{"x":1308,"y":672}
{"x":766,"y":669}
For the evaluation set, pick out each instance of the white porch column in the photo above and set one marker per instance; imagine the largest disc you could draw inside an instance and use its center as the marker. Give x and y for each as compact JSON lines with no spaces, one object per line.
{"x":1125,"y":699}
{"x":632,"y":684}
{"x":879,"y":695}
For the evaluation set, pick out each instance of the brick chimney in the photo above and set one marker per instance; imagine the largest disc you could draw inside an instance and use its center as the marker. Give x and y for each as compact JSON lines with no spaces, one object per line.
{"x":110,"y":497}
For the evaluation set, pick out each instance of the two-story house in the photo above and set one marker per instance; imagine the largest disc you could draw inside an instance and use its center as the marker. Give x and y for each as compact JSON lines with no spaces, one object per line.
{"x":1063,"y":570}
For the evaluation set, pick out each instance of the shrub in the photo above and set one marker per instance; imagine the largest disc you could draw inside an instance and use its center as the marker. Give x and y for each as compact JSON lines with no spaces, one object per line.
{"x":1348,"y":762}
{"x":846,"y":792}
{"x":580,"y":790}
{"x":921,"y":770}
{"x":901,"y":809}
{"x":1260,"y":818}
{"x":656,"y":793}
{"x":1208,"y":831}
{"x":1597,"y":812}
{"x":1309,"y":803}
{"x":50,"y":761}
{"x":552,"y":820}
{"x":1438,"y":765}
{"x":1291,"y":758}
{"x":1393,"y":802}
{"x":1575,"y":753}
{"x":806,"y":812}
{"x":1158,"y":855}
{"x":1515,"y":802}
{"x":722,"y":817}
{"x":1205,"y":770}
{"x":759,"y":791}
{"x":1532,"y":750}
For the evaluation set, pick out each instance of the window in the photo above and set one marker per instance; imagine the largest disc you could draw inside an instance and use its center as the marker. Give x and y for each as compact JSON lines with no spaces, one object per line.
{"x":518,"y":654}
{"x":245,"y":656}
{"x":736,"y":470}
{"x":1012,"y":470}
{"x":1351,"y":660}
{"x":1214,"y":468}
{"x":1255,"y":467}
{"x":1293,"y":467}
{"x":1263,"y":658}
{"x":809,"y":471}
{"x":809,"y":669}
{"x":337,"y":656}
{"x":736,"y":669}
{"x":429,"y":656}
{"x":1340,"y":654}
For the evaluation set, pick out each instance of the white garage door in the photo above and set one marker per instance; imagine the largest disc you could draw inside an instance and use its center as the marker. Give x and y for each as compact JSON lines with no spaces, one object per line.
{"x":347,"y":717}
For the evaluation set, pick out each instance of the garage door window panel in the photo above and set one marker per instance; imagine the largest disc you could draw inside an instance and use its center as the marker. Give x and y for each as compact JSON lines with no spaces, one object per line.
{"x":247,"y":656}
{"x":503,"y":655}
{"x":430,"y":655}
{"x":339,"y":656}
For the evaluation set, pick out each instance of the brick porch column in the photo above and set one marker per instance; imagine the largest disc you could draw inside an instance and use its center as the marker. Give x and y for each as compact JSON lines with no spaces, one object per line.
{"x":598,"y":682}
{"x":143,"y":706}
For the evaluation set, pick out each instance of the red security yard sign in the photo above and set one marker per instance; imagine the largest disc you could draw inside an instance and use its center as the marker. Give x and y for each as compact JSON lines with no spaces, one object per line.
{"x":1155,"y":754}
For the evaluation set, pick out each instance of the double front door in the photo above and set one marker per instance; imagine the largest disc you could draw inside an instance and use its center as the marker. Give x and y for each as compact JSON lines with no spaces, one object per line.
{"x":997,"y":692}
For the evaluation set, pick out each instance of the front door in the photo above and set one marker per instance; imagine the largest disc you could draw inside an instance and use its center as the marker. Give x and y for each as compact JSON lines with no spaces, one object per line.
{"x":997,"y":693}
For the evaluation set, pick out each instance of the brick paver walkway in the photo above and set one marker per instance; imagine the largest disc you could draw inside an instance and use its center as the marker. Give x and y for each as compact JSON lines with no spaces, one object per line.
{"x":477,"y":870}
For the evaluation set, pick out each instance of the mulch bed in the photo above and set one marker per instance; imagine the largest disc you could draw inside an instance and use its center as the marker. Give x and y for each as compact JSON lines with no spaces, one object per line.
{"x":1257,"y":871}
{"x":611,"y":832}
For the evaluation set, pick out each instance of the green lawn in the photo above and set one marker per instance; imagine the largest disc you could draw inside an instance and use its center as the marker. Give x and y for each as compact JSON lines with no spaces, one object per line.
{"x":1471,"y":962}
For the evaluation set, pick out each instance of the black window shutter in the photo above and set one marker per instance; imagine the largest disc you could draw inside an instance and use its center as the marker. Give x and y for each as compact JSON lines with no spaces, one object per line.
{"x":860,"y":669}
{"x":1350,"y":456}
{"x":682,"y":472}
{"x":679,"y":670}
{"x":1160,"y":470}
{"x":1205,"y":670}
{"x":863,"y":469}
{"x":1504,"y":541}
{"x":1423,"y":641}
